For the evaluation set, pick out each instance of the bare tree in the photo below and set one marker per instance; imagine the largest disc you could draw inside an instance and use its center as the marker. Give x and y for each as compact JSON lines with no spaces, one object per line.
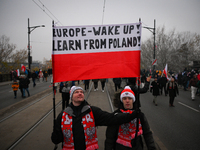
{"x":9,"y":57}
{"x":147,"y":54}
{"x":6,"y":49}
{"x":174,"y":49}
{"x":20,"y":56}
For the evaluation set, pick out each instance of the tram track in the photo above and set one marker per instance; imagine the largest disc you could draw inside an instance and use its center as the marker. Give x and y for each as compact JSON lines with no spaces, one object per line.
{"x":32,"y":128}
{"x":25,"y":107}
{"x":16,"y":126}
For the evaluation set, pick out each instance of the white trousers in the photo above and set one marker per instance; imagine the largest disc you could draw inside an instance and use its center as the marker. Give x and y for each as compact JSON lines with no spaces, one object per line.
{"x":193,"y":92}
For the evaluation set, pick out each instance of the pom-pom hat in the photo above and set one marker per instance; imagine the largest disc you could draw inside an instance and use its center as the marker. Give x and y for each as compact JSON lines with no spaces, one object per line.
{"x":127,"y":92}
{"x":73,"y":89}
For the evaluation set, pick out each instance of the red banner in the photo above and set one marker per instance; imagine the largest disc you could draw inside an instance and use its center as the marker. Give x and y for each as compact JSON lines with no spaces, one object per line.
{"x":95,"y":52}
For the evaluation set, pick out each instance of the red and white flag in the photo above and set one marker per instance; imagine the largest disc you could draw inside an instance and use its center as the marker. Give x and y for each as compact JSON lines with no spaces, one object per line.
{"x":95,"y":52}
{"x":23,"y":68}
{"x":18,"y":73}
{"x":165,"y":72}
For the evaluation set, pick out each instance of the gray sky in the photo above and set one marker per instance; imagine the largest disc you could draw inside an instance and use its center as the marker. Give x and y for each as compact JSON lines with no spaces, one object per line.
{"x":183,"y":15}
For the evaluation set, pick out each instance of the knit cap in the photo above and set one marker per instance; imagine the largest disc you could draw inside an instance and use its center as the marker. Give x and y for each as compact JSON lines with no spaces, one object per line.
{"x":127,"y":92}
{"x":73,"y":89}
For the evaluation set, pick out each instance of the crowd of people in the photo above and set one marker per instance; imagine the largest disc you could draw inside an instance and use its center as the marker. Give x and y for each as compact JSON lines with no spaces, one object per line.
{"x":188,"y":80}
{"x":22,"y":82}
{"x":75,"y":126}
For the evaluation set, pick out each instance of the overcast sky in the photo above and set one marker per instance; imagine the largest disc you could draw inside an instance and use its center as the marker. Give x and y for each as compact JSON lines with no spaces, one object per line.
{"x":183,"y":15}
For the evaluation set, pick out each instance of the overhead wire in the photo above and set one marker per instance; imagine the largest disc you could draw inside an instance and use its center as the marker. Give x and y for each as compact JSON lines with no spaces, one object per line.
{"x":42,"y":9}
{"x":52,"y":16}
{"x":50,"y":12}
{"x":103,"y":11}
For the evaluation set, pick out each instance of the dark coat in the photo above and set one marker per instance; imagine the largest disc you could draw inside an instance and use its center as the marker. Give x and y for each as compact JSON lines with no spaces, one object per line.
{"x":180,"y":78}
{"x":87,"y":81}
{"x":155,"y":87}
{"x":34,"y":75}
{"x":45,"y":74}
{"x":143,"y":79}
{"x":163,"y":81}
{"x":95,"y":80}
{"x":26,"y":82}
{"x":184,"y":80}
{"x":117,"y":80}
{"x":102,"y":118}
{"x":193,"y":82}
{"x":21,"y":82}
{"x":112,"y":135}
{"x":172,"y":90}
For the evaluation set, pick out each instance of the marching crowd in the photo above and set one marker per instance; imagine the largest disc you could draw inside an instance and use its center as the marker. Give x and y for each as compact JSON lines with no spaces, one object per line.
{"x":75,"y":126}
{"x":171,"y":84}
{"x":22,"y":82}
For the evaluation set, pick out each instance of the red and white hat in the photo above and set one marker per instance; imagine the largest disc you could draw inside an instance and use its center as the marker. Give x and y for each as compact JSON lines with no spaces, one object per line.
{"x":127,"y":92}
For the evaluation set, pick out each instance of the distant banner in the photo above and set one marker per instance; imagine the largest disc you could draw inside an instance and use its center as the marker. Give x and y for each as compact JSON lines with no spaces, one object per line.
{"x":95,"y":52}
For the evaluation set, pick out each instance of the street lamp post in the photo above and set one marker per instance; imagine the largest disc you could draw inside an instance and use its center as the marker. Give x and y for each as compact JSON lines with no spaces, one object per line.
{"x":30,"y":29}
{"x":153,"y":30}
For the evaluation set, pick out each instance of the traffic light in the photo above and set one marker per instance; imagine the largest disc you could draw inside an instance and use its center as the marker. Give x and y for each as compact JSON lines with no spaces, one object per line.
{"x":30,"y":59}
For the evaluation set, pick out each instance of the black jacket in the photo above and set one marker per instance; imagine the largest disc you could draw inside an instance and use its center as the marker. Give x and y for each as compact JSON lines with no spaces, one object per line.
{"x":172,"y":91}
{"x":163,"y":81}
{"x":102,"y":118}
{"x":34,"y":75}
{"x":155,"y":86}
{"x":26,"y":82}
{"x":117,"y":80}
{"x":22,"y":82}
{"x":112,"y":135}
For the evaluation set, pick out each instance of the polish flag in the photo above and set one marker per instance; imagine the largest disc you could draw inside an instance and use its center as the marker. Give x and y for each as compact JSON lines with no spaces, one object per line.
{"x":18,"y":73}
{"x":95,"y":52}
{"x":23,"y":68}
{"x":165,"y":72}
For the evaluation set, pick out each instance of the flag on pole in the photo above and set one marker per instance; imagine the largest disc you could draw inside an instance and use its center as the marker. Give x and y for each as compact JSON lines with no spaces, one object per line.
{"x":165,"y":72}
{"x":18,"y":73}
{"x":23,"y":68}
{"x":95,"y":52}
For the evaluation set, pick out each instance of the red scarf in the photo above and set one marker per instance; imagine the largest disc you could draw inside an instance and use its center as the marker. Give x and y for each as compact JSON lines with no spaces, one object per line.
{"x":91,"y":140}
{"x":127,"y":131}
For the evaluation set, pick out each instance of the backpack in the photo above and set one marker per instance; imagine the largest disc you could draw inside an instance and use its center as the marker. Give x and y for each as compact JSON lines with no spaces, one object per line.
{"x":67,"y":87}
{"x":61,"y":87}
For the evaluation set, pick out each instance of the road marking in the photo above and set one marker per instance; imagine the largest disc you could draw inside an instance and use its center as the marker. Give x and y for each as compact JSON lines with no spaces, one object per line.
{"x":188,"y":107}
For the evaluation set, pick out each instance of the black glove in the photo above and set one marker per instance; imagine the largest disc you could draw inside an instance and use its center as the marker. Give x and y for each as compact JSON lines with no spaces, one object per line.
{"x":136,"y":113}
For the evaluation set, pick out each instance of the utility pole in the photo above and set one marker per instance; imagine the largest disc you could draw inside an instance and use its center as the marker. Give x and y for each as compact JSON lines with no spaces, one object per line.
{"x":30,"y":29}
{"x":153,"y":30}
